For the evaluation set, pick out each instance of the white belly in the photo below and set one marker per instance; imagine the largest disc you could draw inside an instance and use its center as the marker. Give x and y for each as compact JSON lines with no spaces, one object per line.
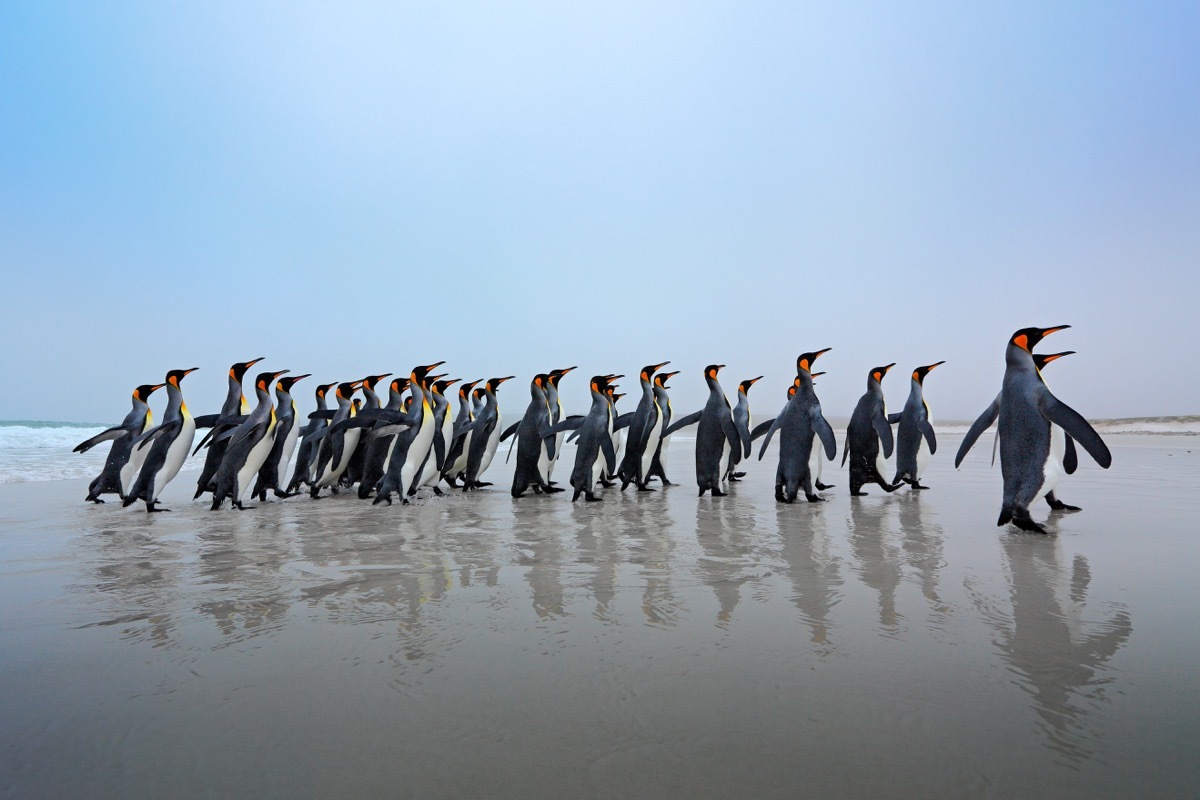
{"x":493,"y":442}
{"x":176,"y":455}
{"x":289,"y":447}
{"x":254,"y":461}
{"x":1053,"y":471}
{"x":460,"y":463}
{"x":334,"y":471}
{"x":134,"y":465}
{"x":724,"y":460}
{"x":815,"y":460}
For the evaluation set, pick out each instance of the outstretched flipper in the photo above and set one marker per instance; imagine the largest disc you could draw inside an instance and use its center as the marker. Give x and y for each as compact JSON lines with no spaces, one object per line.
{"x":985,"y":421}
{"x":107,"y":436}
{"x":610,"y":455}
{"x":761,"y":429}
{"x":894,"y":418}
{"x":623,"y":421}
{"x":732,"y":434}
{"x":150,"y":435}
{"x":767,"y":438}
{"x":509,"y":431}
{"x":1076,"y":427}
{"x":683,"y":422}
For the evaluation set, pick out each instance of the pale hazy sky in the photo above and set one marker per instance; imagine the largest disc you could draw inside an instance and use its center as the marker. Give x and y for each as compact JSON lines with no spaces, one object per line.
{"x":349,"y":188}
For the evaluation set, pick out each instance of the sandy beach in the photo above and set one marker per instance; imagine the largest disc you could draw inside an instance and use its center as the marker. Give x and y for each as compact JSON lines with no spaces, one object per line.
{"x":653,"y":645}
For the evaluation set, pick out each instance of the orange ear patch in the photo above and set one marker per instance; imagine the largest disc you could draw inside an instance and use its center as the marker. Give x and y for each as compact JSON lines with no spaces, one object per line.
{"x":1022,"y":342}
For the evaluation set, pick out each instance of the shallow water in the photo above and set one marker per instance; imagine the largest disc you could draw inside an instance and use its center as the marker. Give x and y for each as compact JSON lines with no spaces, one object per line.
{"x":651,"y":645}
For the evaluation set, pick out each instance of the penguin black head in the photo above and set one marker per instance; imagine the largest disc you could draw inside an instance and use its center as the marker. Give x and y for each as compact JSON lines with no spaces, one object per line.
{"x":1042,"y":359}
{"x":650,"y":369}
{"x":555,"y":375}
{"x":287,"y":383}
{"x":323,"y":390}
{"x":599,"y":384}
{"x":263,"y":382}
{"x":745,"y":385}
{"x":464,"y":390}
{"x":239,"y":370}
{"x":419,"y":373}
{"x":710,"y":372}
{"x":877,"y":373}
{"x":792,"y":390}
{"x":370,"y":381}
{"x":347,"y":389}
{"x":177,"y":375}
{"x":439,"y":387}
{"x":660,"y":380}
{"x":539,"y":383}
{"x":615,"y":395}
{"x":494,"y":383}
{"x":144,"y":391}
{"x":398,"y":385}
{"x":1027,"y":338}
{"x":805,"y":361}
{"x":920,"y":372}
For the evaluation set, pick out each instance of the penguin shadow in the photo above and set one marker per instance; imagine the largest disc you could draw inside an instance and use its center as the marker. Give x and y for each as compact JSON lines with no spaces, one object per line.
{"x":877,"y":558}
{"x":726,"y":563}
{"x":922,"y":542}
{"x":1055,"y":644}
{"x":814,"y":570}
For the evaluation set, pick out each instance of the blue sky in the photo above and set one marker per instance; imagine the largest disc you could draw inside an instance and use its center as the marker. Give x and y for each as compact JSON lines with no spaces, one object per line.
{"x":357,"y":188}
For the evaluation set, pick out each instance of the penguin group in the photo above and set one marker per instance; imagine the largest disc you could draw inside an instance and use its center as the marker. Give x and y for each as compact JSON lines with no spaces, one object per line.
{"x":414,"y":439}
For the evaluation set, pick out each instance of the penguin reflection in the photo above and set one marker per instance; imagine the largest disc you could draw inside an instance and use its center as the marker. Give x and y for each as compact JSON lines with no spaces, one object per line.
{"x":725,"y":536}
{"x":1060,"y":659}
{"x":814,"y":570}
{"x":878,"y":561}
{"x":923,"y":540}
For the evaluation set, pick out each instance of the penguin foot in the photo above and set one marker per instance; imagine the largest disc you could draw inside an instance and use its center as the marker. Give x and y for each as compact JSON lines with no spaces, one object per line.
{"x":451,"y":482}
{"x":480,"y":484}
{"x":1059,"y":505}
{"x":916,"y":485}
{"x":607,"y":484}
{"x":438,"y":492}
{"x":737,"y":475}
{"x":591,"y":498}
{"x":641,"y":487}
{"x":719,"y":493}
{"x":702,"y":491}
{"x":150,"y":509}
{"x":814,"y":498}
{"x":859,"y":494}
{"x":383,"y":498}
{"x":96,"y":500}
{"x":666,"y":482}
{"x":553,"y":489}
{"x":824,"y":486}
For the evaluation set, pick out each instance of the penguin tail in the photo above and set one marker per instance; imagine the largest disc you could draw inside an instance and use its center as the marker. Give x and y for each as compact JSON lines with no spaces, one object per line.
{"x":1006,"y":515}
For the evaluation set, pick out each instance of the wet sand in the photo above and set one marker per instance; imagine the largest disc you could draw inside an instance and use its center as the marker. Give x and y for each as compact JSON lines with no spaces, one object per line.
{"x":653,"y":645}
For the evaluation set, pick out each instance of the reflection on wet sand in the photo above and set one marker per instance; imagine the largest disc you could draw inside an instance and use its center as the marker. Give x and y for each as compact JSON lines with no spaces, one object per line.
{"x":876,"y":557}
{"x":596,"y":542}
{"x":647,"y":526}
{"x":812,"y":566}
{"x":724,"y":531}
{"x":1059,"y":654}
{"x":923,"y":543}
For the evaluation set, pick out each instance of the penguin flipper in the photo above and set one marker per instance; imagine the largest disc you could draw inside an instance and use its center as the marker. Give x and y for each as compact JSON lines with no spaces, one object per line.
{"x":884,"y":430}
{"x":106,"y":436}
{"x":1078,"y":428}
{"x":825,"y":432}
{"x":1070,"y":457}
{"x":744,"y":436}
{"x":610,"y":455}
{"x":683,"y":422}
{"x":511,"y":444}
{"x":895,"y":418}
{"x":977,"y":428}
{"x":439,"y":450}
{"x":322,"y":414}
{"x":548,"y":437}
{"x":570,"y":423}
{"x":153,"y":433}
{"x":927,"y":432}
{"x":254,"y":430}
{"x":761,"y":428}
{"x":731,"y":433}
{"x":846,"y":448}
{"x":623,"y":420}
{"x":767,"y":438}
{"x":206,"y":420}
{"x":509,"y":431}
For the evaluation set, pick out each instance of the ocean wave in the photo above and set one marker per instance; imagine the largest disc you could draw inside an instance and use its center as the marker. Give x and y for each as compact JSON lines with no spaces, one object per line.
{"x":42,"y":451}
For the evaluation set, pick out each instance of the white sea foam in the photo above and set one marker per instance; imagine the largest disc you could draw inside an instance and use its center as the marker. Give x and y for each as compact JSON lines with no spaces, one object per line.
{"x":42,"y":451}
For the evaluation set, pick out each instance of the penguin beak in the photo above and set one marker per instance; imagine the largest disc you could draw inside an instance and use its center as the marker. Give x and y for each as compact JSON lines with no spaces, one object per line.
{"x":657,"y":367}
{"x":932,"y":367}
{"x":298,"y":378}
{"x":502,"y":380}
{"x":755,"y":380}
{"x":1047,"y":331}
{"x":1057,"y":356}
{"x":434,"y":366}
{"x":156,"y":387}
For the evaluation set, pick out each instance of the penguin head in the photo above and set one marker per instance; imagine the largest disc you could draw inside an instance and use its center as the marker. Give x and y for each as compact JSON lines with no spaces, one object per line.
{"x":439,"y":387}
{"x":615,"y":396}
{"x":177,"y":375}
{"x":660,"y":380}
{"x":347,"y":389}
{"x":1027,"y":338}
{"x":263,"y":382}
{"x":288,"y":382}
{"x":143,"y":392}
{"x":805,"y":361}
{"x":744,"y":386}
{"x":556,"y":375}
{"x":323,"y":390}
{"x":599,"y":384}
{"x":710,"y":372}
{"x":537,"y":386}
{"x":792,"y":389}
{"x":419,"y":373}
{"x":464,"y":390}
{"x":920,"y":372}
{"x":239,"y":370}
{"x":877,"y":373}
{"x":1040,"y":360}
{"x":494,"y":383}
{"x":650,"y":369}
{"x":398,"y":385}
{"x":370,"y":381}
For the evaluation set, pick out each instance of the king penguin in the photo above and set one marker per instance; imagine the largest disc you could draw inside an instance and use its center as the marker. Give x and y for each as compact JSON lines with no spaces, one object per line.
{"x":1027,"y":412}
{"x":716,"y":435}
{"x":741,"y":419}
{"x":235,"y":405}
{"x":287,"y":431}
{"x":485,"y":436}
{"x":915,"y":440}
{"x":869,"y":437}
{"x":595,"y":441}
{"x":335,"y":446}
{"x":248,"y":446}
{"x":800,"y":424}
{"x":460,"y":436}
{"x":167,"y":446}
{"x":310,"y":442}
{"x":644,"y":425}
{"x":114,"y":478}
{"x":663,"y":399}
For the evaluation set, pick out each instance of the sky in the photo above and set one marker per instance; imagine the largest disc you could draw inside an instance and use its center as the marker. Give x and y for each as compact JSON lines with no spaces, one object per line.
{"x":356,"y":188}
